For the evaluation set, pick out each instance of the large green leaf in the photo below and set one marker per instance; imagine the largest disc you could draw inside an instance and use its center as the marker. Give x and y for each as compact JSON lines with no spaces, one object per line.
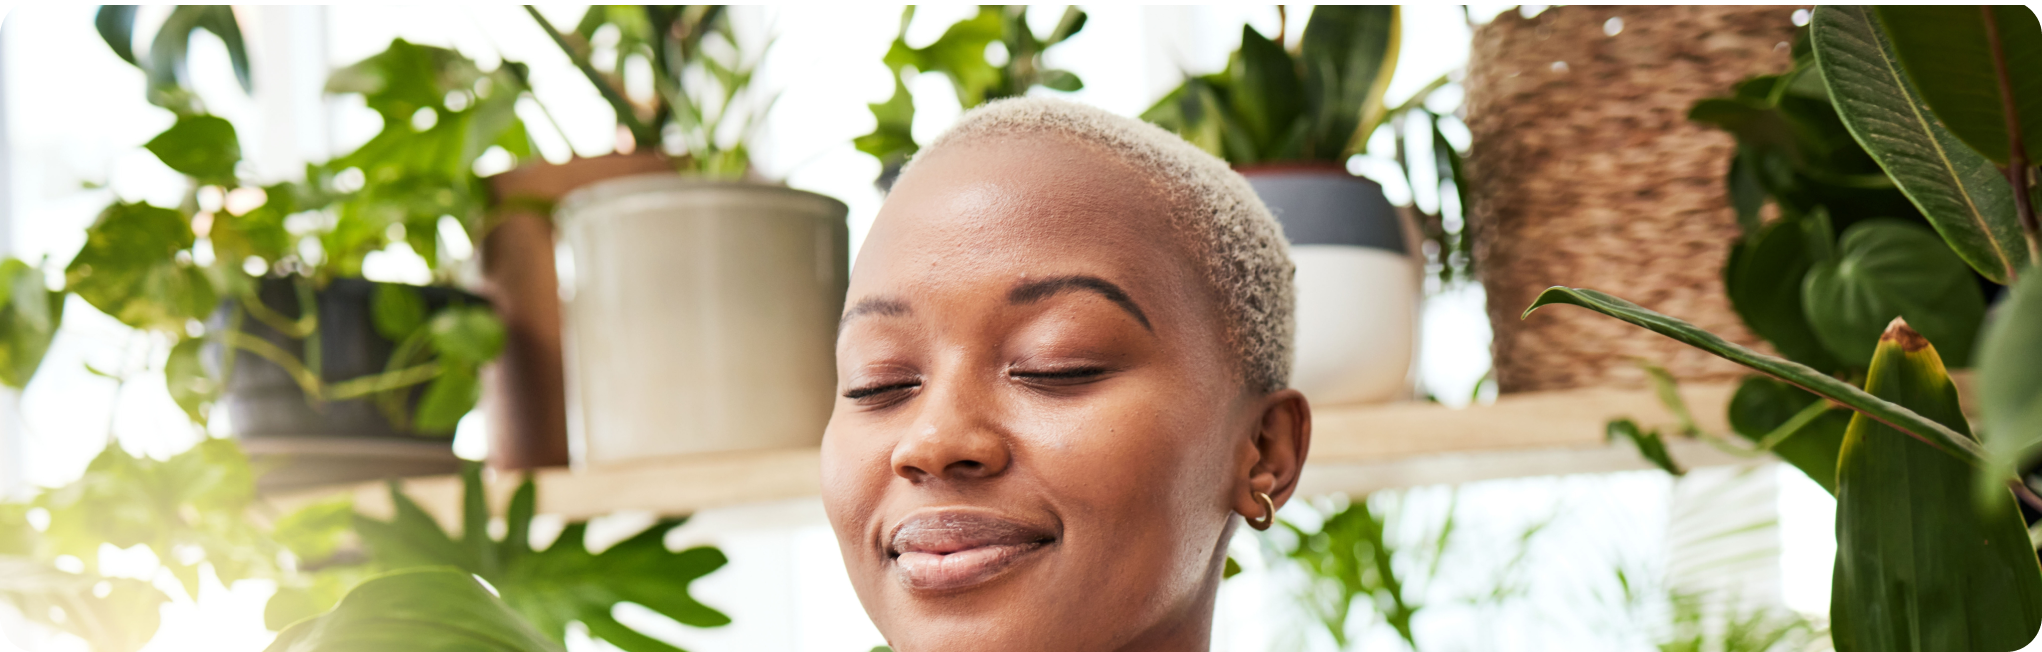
{"x":1919,"y":567}
{"x":1772,"y":413}
{"x":1763,"y":280}
{"x":562,"y":583}
{"x":467,"y":334}
{"x":1800,"y":375}
{"x":129,"y":268}
{"x":2010,"y":377}
{"x":1949,"y":52}
{"x":1268,"y":97}
{"x":1349,"y":53}
{"x":202,"y":146}
{"x":421,"y":610}
{"x":1962,"y":194}
{"x":166,"y":63}
{"x":1885,"y":269}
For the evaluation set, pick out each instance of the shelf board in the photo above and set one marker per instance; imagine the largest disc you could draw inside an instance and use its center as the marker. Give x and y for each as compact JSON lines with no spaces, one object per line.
{"x":1355,"y":449}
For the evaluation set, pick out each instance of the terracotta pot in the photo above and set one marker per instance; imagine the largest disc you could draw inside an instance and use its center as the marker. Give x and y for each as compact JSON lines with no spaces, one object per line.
{"x":1584,"y":171}
{"x":525,"y":389}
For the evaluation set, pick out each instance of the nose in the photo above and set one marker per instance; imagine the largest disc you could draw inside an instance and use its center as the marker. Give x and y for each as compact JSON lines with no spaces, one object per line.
{"x":952,"y":441}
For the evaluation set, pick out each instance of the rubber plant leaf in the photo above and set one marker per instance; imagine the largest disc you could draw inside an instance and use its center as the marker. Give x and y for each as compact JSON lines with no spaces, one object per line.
{"x":1777,"y":415}
{"x":1888,"y":268}
{"x":2010,"y":378}
{"x":1950,"y":441}
{"x":1957,"y":54}
{"x":1919,"y":567}
{"x":439,"y":609}
{"x":1349,"y":53}
{"x":1963,"y":195}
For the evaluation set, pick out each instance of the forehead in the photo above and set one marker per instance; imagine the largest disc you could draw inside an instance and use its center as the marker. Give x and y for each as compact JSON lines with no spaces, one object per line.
{"x":1030,"y":204}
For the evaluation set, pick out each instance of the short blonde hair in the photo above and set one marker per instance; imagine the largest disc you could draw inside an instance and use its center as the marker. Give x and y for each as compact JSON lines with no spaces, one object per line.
{"x":1238,"y":243}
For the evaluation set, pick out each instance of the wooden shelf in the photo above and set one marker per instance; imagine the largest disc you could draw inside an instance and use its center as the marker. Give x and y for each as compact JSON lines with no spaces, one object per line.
{"x":1355,"y":449}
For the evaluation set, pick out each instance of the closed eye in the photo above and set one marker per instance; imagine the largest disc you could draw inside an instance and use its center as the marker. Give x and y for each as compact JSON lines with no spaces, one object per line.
{"x":1074,"y":376}
{"x":876,"y":390}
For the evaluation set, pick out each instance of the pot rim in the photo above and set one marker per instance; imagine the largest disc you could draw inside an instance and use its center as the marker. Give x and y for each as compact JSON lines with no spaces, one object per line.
{"x":618,"y":187}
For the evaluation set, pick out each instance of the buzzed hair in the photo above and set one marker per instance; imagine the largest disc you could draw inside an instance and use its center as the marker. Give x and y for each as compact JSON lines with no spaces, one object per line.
{"x":1237,"y":243}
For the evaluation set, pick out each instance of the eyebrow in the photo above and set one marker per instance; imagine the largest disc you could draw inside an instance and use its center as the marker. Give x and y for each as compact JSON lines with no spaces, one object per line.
{"x":880,"y":305}
{"x":1033,"y":291}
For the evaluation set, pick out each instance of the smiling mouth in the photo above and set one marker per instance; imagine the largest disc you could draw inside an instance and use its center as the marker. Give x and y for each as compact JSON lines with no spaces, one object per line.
{"x":952,"y":550}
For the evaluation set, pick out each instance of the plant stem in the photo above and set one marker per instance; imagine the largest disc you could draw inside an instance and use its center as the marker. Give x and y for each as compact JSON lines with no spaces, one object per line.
{"x":2026,"y":495}
{"x":2017,"y":152}
{"x":641,"y":135}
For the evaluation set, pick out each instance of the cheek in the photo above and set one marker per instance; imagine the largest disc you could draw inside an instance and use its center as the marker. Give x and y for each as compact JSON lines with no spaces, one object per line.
{"x":1145,"y":456}
{"x":854,"y":477}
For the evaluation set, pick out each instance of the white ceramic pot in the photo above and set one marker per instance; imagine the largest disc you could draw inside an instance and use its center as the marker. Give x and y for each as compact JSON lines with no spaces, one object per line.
{"x":700,"y":316}
{"x":1357,"y":285}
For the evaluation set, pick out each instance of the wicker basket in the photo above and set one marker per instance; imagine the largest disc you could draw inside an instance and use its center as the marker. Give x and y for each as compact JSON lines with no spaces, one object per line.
{"x":1585,"y":172}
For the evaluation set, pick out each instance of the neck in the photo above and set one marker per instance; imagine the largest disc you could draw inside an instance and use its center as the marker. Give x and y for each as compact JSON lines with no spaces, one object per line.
{"x":1189,"y":628}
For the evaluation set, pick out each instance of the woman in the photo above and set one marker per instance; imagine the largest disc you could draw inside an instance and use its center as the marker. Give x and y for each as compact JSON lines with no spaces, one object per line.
{"x":1061,"y":372}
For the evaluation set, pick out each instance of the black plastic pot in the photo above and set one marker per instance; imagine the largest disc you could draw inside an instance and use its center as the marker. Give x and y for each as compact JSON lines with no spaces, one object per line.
{"x":331,"y":441}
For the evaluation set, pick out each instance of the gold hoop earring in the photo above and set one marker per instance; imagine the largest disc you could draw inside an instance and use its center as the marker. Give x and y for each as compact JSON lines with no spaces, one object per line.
{"x":1268,"y":512}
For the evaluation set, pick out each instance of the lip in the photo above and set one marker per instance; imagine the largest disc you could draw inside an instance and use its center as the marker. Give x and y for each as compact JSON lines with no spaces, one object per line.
{"x":953,"y":549}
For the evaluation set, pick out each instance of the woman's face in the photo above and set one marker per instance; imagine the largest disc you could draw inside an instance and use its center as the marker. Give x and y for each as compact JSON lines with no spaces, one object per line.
{"x":1040,"y":435}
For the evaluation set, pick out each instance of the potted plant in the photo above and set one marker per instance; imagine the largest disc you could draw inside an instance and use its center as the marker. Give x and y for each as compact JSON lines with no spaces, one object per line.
{"x":1288,"y":119}
{"x":701,"y":315}
{"x":962,"y":55}
{"x":256,"y":290}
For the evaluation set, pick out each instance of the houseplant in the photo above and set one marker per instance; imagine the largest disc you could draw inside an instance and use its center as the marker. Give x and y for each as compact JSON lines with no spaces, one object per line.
{"x":702,"y":312}
{"x":255,"y":290}
{"x":197,"y":512}
{"x":962,"y":55}
{"x":1288,"y":119}
{"x":1926,"y":521}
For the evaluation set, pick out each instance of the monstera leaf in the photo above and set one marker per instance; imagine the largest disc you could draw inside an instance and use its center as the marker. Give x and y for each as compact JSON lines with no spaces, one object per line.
{"x":562,"y":583}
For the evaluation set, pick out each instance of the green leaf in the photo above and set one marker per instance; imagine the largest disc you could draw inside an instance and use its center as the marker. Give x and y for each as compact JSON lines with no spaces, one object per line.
{"x":1919,"y":567}
{"x":116,"y":25}
{"x":130,"y":269}
{"x":1962,"y":194}
{"x":316,"y":531}
{"x":1349,"y":53}
{"x":166,"y":64}
{"x":1762,"y":407}
{"x":1763,"y":279}
{"x":1649,"y":443}
{"x":430,"y":609}
{"x":258,"y":233}
{"x":1067,"y":26}
{"x":197,"y":499}
{"x":892,"y":139}
{"x":397,"y":310}
{"x":1062,"y":80}
{"x":201,"y":146}
{"x":1948,"y":51}
{"x":563,"y":583}
{"x":185,"y":376}
{"x":447,"y":398}
{"x":1886,"y":269}
{"x":2010,"y":378}
{"x":467,"y":334}
{"x":29,"y":316}
{"x":1961,"y":446}
{"x":1268,"y":96}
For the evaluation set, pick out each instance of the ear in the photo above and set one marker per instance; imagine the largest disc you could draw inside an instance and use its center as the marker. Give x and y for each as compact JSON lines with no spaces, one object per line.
{"x":1273,"y":460}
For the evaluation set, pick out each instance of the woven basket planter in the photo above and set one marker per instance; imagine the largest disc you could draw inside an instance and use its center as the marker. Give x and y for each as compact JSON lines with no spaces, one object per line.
{"x":1585,"y":172}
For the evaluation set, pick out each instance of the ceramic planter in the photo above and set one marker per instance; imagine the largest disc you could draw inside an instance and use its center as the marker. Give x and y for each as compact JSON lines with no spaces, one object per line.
{"x":700,"y":316}
{"x":1357,"y":285}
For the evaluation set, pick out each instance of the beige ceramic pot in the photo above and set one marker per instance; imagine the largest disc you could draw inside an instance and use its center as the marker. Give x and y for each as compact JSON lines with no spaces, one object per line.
{"x":700,"y":316}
